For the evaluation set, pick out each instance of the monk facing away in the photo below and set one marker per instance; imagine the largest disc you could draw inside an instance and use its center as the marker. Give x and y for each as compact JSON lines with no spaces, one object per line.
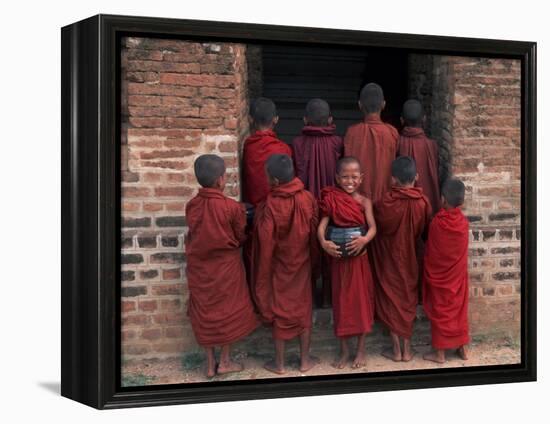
{"x":343,"y":208}
{"x":284,"y":248}
{"x":401,"y":217}
{"x":316,"y":152}
{"x":446,"y":275}
{"x":220,"y":308}
{"x":317,"y":149}
{"x":414,"y":143}
{"x":373,"y":142}
{"x":261,"y":144}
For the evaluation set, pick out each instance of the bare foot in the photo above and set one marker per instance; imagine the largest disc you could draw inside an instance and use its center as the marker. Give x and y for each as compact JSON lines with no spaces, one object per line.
{"x":390,"y":354}
{"x":462,"y":353}
{"x":228,"y":367}
{"x":407,"y":356}
{"x":272,"y":366}
{"x":360,"y":360}
{"x":435,"y":357}
{"x":340,"y":362}
{"x":211,"y":371}
{"x":309,"y":363}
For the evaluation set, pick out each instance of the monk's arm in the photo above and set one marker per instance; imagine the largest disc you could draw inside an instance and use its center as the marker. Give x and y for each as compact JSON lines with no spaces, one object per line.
{"x":358,"y":243}
{"x":328,"y":246}
{"x":238,"y":223}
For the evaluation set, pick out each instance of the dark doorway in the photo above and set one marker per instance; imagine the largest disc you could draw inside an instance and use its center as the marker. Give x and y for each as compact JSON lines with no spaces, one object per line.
{"x":293,"y":75}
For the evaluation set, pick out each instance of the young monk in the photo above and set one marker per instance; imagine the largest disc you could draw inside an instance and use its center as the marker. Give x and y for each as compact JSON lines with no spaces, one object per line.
{"x":373,"y":142}
{"x":446,"y":275}
{"x":352,"y":286}
{"x":414,"y":143}
{"x":318,"y":148}
{"x":261,"y":144}
{"x":315,"y":154}
{"x":220,"y":308}
{"x":284,"y":245}
{"x":401,"y":217}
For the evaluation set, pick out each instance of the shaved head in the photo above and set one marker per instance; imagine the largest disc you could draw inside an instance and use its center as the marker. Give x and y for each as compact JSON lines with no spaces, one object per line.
{"x":263,"y":111}
{"x":317,"y":112}
{"x":413,"y":113}
{"x":453,"y":191}
{"x":345,"y":161}
{"x":403,"y":169}
{"x":280,"y":167}
{"x":208,"y":168}
{"x":372,"y":98}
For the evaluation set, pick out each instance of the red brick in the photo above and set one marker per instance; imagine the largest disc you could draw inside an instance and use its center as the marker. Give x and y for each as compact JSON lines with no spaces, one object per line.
{"x":135,"y":192}
{"x":171,"y":274}
{"x":220,"y":81}
{"x":147,"y":122}
{"x":153,"y":207}
{"x":175,"y":206}
{"x":168,"y":164}
{"x":151,"y":334}
{"x":151,"y":177}
{"x":228,"y":146}
{"x":147,"y":305}
{"x":128,"y":306}
{"x":168,"y":289}
{"x":130,"y":206}
{"x":162,"y":90}
{"x":139,"y":100}
{"x":135,"y":349}
{"x":166,"y":154}
{"x":175,"y":178}
{"x":169,"y":318}
{"x":193,"y":122}
{"x":170,"y":304}
{"x":174,"y":332}
{"x":139,"y":320}
{"x":173,"y":191}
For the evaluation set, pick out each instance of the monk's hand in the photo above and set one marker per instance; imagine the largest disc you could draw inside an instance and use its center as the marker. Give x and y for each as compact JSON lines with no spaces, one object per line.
{"x":356,"y":245}
{"x":331,"y":248}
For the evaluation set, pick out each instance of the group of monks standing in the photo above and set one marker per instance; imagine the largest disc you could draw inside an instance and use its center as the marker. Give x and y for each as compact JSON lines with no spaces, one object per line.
{"x":412,"y":235}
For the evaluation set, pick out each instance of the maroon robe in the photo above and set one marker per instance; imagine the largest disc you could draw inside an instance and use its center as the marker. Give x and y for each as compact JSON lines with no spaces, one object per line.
{"x":352,"y":286}
{"x":446,"y":279}
{"x":284,"y":244}
{"x":414,"y":143}
{"x":374,"y":143}
{"x":401,"y":216}
{"x":258,"y":147}
{"x":220,"y":308}
{"x":316,"y":152}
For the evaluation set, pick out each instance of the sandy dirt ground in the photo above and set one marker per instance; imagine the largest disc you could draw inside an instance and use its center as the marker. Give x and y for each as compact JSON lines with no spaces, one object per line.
{"x":191,"y":367}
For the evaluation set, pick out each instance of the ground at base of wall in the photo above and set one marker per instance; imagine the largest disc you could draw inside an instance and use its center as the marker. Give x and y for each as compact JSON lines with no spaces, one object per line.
{"x":191,"y":368}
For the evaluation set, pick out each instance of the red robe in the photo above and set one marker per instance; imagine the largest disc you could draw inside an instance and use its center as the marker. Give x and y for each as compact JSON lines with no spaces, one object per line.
{"x":258,"y":147}
{"x":316,"y":152}
{"x":220,"y":308}
{"x":352,"y":285}
{"x":374,"y":143}
{"x":284,"y":243}
{"x":401,"y":216}
{"x":446,"y":279}
{"x":414,"y":143}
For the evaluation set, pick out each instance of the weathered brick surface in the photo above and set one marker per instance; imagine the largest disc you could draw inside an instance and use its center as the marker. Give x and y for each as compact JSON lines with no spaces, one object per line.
{"x":179,"y":100}
{"x":474,"y":109}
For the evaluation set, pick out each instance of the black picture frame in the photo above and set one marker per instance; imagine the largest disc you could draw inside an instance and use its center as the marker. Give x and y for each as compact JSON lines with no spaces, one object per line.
{"x":90,"y":175}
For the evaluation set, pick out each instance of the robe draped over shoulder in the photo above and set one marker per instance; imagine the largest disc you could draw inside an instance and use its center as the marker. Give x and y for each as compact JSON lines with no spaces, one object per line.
{"x":445,"y":285}
{"x":220,"y":307}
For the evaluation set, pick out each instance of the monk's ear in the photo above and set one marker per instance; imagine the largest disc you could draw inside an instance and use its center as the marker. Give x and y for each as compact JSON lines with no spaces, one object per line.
{"x":275,"y":120}
{"x":383,"y":106}
{"x":416,"y":178}
{"x":330,"y":120}
{"x":360,"y":105}
{"x":402,"y":121}
{"x":393,"y":181}
{"x":250,"y":121}
{"x":305,"y":120}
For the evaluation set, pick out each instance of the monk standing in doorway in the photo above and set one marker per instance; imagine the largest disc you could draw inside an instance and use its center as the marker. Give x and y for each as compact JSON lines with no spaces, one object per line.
{"x":373,"y":142}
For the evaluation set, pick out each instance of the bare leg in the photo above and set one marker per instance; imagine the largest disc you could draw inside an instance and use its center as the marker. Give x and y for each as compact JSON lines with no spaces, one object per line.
{"x":394,"y":353}
{"x":344,"y":354}
{"x":210,"y":362}
{"x":462,"y":353}
{"x":437,"y":355}
{"x":360,"y":360}
{"x":226,"y":364}
{"x":307,"y":361}
{"x":278,"y":365}
{"x":408,"y":351}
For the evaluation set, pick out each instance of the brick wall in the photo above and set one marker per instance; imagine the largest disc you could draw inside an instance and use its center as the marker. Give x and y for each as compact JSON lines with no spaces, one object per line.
{"x":179,"y":100}
{"x":474,"y":107}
